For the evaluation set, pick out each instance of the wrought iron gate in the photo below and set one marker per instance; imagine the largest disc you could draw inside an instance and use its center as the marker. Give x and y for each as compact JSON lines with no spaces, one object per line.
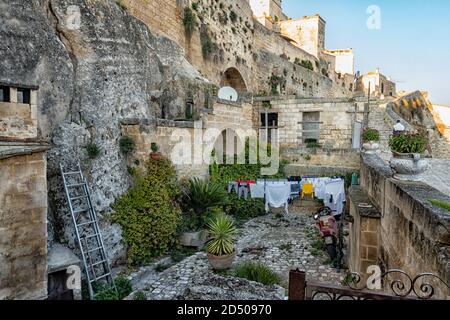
{"x":400,"y":287}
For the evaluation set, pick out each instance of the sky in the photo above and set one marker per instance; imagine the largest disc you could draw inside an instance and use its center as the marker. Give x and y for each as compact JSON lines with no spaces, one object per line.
{"x":412,"y":45}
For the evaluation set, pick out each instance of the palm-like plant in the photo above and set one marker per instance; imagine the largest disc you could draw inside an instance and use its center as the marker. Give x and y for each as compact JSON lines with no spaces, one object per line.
{"x":222,"y":232}
{"x":203,"y":195}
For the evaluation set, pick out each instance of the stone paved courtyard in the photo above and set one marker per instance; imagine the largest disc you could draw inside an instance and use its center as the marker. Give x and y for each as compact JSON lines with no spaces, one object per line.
{"x":281,"y":242}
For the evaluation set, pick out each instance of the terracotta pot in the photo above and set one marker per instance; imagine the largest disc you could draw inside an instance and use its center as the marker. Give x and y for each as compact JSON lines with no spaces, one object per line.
{"x":371,"y":147}
{"x":221,"y":262}
{"x":408,"y":166}
{"x":194,"y":239}
{"x":155,"y":155}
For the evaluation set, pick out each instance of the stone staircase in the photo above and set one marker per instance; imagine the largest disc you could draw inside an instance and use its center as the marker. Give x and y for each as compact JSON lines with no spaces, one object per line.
{"x":380,"y":120}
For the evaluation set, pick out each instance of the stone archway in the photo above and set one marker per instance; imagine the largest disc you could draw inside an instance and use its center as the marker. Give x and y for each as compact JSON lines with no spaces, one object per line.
{"x":233,"y":78}
{"x":228,"y":145}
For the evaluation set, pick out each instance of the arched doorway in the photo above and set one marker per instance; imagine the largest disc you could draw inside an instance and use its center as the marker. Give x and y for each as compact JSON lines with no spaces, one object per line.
{"x":233,"y":78}
{"x":228,"y":146}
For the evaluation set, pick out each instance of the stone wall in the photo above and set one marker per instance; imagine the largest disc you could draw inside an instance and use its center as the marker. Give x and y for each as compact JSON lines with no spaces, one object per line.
{"x":414,"y":234}
{"x":364,"y":244}
{"x":190,"y":137}
{"x":23,"y":227}
{"x":18,"y":121}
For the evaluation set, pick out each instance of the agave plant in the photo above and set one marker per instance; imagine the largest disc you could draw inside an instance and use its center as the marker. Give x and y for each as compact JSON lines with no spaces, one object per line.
{"x":222,"y":232}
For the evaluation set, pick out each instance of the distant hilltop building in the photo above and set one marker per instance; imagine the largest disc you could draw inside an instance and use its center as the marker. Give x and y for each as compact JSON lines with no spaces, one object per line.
{"x":379,"y":84}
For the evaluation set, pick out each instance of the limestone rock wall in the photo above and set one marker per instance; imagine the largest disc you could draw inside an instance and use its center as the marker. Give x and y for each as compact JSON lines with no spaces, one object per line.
{"x":94,"y":65}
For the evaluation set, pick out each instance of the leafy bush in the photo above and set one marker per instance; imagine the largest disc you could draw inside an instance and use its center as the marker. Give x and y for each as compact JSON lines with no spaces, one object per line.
{"x":371,"y":135}
{"x":126,"y":145}
{"x":408,"y":143}
{"x":242,"y":210}
{"x":104,"y":291}
{"x":148,"y":213}
{"x":441,"y":204}
{"x":200,"y":196}
{"x":208,"y":46}
{"x":189,"y":21}
{"x":257,"y":272}
{"x":195,"y":6}
{"x":304,"y":63}
{"x":93,"y":150}
{"x":222,"y":232}
{"x":233,"y":16}
{"x":154,"y":147}
{"x":139,"y":296}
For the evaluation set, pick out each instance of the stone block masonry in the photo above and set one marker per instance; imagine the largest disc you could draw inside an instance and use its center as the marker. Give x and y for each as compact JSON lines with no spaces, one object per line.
{"x":23,"y":227}
{"x":413,"y":235}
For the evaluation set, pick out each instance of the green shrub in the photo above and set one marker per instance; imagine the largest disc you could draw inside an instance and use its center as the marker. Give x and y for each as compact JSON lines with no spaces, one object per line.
{"x":257,"y":272}
{"x":304,"y":63}
{"x":126,"y":145}
{"x":274,"y":82}
{"x":208,"y":46}
{"x":201,"y":196}
{"x":139,"y":296}
{"x":154,"y":147}
{"x":104,"y":291}
{"x":189,"y":21}
{"x":93,"y":150}
{"x":148,"y":212}
{"x":371,"y":135}
{"x":195,"y":6}
{"x":233,"y":16}
{"x":441,"y":204}
{"x":408,"y":143}
{"x":222,"y":232}
{"x":243,"y":210}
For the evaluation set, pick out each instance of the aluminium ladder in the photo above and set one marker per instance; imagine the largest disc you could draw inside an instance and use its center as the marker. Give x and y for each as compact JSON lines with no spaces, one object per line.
{"x":88,"y":234}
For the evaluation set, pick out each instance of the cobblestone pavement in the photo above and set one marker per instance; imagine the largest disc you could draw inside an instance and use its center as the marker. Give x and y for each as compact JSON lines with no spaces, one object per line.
{"x":281,"y":242}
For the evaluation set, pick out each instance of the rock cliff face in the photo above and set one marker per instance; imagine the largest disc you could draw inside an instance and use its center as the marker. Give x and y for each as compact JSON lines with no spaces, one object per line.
{"x":94,"y":65}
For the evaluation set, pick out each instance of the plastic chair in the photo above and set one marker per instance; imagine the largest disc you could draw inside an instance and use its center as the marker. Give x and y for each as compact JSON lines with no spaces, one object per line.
{"x":308,"y":190}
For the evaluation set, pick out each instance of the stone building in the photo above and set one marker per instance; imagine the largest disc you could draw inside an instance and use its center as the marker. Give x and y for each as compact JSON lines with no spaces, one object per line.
{"x":23,"y":196}
{"x":379,"y":84}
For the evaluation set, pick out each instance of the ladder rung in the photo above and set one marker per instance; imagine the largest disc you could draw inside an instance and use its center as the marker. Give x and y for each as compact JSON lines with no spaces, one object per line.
{"x":86,"y":223}
{"x":101,"y":277}
{"x":98,"y":263}
{"x":96,"y":249}
{"x":77,"y":198}
{"x":81,"y":210}
{"x":75,"y":185}
{"x":91,"y":236}
{"x":71,"y":173}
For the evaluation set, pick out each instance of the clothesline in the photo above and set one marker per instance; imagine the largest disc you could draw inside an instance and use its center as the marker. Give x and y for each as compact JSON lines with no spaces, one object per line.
{"x":279,"y":192}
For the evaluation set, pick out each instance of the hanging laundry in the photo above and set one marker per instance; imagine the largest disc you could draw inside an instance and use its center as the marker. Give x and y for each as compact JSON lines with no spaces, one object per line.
{"x":335,"y":195}
{"x":257,"y":191}
{"x":233,"y":185}
{"x":277,"y":196}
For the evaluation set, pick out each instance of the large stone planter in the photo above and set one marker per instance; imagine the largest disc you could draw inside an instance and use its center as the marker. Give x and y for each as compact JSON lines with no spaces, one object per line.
{"x":371,"y":147}
{"x":408,"y":167}
{"x":194,"y":239}
{"x":221,"y":262}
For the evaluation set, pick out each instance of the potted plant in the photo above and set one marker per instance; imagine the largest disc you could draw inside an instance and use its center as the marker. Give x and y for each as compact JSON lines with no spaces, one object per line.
{"x":155,"y":155}
{"x":220,"y":246}
{"x":371,"y":138}
{"x":408,"y":160}
{"x":200,"y":200}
